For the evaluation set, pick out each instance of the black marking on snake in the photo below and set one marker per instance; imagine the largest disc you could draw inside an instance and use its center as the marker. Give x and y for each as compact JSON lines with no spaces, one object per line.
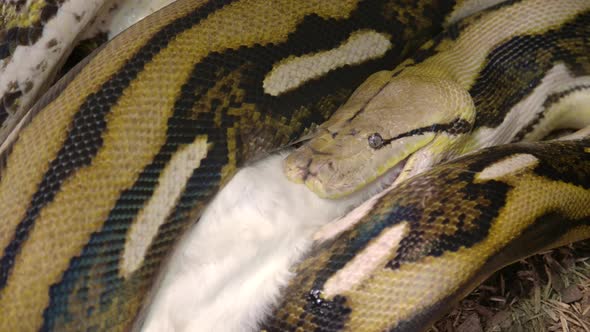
{"x":252,"y":62}
{"x":351,"y":242}
{"x":452,"y":32}
{"x":565,"y":162}
{"x":325,"y":313}
{"x":515,"y":68}
{"x":110,"y":240}
{"x":355,"y":243}
{"x":410,"y":45}
{"x":533,"y":239}
{"x":549,"y":102}
{"x":371,"y":227}
{"x":455,"y":127}
{"x":420,"y":243}
{"x":568,"y":163}
{"x":429,"y":49}
{"x":87,"y":127}
{"x":328,"y":315}
{"x":19,"y":4}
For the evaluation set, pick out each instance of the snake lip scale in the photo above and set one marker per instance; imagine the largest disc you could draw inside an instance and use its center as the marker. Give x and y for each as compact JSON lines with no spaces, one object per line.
{"x":386,"y":179}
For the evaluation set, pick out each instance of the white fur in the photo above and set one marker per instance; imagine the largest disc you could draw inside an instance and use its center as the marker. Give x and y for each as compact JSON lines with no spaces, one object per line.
{"x":227,"y":273}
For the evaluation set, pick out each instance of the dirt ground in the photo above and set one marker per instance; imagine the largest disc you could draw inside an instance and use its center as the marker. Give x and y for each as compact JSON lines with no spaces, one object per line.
{"x":546,"y":292}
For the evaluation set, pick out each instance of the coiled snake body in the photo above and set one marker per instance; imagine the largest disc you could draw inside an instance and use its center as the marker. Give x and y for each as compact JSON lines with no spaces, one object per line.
{"x":185,"y":97}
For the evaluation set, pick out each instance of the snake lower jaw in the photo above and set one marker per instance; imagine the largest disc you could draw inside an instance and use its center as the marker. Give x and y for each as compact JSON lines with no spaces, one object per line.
{"x":337,"y":188}
{"x":385,"y":181}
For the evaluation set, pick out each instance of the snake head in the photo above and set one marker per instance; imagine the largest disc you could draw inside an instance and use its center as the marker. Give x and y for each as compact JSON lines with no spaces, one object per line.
{"x":389,"y":129}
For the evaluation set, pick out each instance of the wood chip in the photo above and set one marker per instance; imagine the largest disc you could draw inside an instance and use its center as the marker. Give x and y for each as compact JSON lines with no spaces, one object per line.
{"x":571,"y":294}
{"x":449,"y":326}
{"x":471,"y":324}
{"x":556,"y":281}
{"x":483,"y":311}
{"x":502,"y":319}
{"x":585,"y":304}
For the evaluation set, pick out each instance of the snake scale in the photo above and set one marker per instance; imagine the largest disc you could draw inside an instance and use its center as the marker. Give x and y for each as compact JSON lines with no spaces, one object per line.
{"x":139,"y":137}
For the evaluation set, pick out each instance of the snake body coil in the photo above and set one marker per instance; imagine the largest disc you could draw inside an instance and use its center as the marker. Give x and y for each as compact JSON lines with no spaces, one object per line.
{"x":197,"y":81}
{"x":103,"y":175}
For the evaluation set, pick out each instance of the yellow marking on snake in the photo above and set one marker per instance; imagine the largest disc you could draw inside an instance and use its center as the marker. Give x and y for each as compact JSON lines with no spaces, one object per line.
{"x":427,"y":275}
{"x":43,"y":137}
{"x":170,"y":186}
{"x":137,"y":127}
{"x":462,"y":231}
{"x":556,"y":79}
{"x":336,"y":169}
{"x":511,"y":165}
{"x":115,"y":158}
{"x":292,"y":72}
{"x":472,"y":58}
{"x":150,"y":81}
{"x":115,"y":168}
{"x":391,"y":104}
{"x":14,"y":19}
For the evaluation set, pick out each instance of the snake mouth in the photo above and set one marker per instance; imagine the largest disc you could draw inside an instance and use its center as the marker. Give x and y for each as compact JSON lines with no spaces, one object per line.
{"x":386,"y":179}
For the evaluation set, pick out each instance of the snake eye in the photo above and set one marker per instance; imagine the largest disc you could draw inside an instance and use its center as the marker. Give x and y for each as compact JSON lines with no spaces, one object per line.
{"x":375,"y":141}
